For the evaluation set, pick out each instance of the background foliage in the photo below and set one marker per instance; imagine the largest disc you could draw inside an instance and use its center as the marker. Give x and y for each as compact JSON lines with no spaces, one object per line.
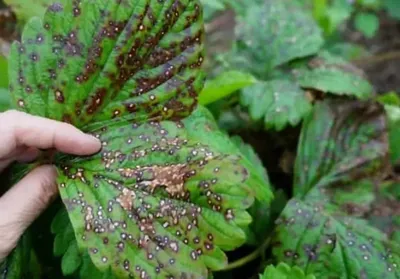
{"x":287,"y":168}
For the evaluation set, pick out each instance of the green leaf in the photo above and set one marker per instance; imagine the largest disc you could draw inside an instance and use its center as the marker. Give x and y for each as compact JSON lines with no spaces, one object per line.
{"x":393,"y":113}
{"x":278,"y":102}
{"x":283,"y":271}
{"x":392,"y":7}
{"x":336,"y":227}
{"x":276,"y":32}
{"x":95,"y":61}
{"x":21,"y":263}
{"x":3,"y":72}
{"x":390,"y":98}
{"x":165,"y":193}
{"x":332,"y":74}
{"x":224,"y":85}
{"x":342,"y":141}
{"x":263,"y":213}
{"x":71,"y":260}
{"x":348,"y":51}
{"x":367,"y":24}
{"x":5,"y":102}
{"x":26,"y":10}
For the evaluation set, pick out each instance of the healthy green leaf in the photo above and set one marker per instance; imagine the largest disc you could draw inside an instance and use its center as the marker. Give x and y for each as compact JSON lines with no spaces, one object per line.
{"x":392,"y":7}
{"x":332,"y":74}
{"x":348,"y":51}
{"x":28,"y":9}
{"x":283,"y":271}
{"x":162,"y":198}
{"x":224,"y":85}
{"x":332,"y":227}
{"x":276,"y":32}
{"x":95,"y":61}
{"x":3,"y":72}
{"x":367,"y":24}
{"x":393,"y":113}
{"x":5,"y":102}
{"x":21,"y":263}
{"x":278,"y":102}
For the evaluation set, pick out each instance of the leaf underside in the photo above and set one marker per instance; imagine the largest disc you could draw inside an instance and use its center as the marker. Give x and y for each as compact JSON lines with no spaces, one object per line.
{"x":330,"y":229}
{"x":165,"y":195}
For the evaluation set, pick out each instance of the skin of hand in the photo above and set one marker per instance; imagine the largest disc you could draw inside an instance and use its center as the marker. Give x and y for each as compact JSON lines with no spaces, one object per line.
{"x":22,"y":136}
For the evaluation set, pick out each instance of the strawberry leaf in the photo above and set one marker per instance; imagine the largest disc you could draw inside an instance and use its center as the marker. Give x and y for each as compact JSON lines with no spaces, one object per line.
{"x":162,"y":198}
{"x":330,"y":228}
{"x":278,"y":103}
{"x":275,"y":32}
{"x":25,"y":10}
{"x":352,"y":144}
{"x":21,"y":263}
{"x":283,"y":271}
{"x":332,"y":74}
{"x":90,"y":61}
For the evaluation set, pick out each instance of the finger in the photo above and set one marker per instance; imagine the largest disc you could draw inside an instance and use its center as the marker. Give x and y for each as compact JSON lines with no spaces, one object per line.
{"x":28,"y":155}
{"x":22,"y":155}
{"x":21,"y":129}
{"x":23,"y":203}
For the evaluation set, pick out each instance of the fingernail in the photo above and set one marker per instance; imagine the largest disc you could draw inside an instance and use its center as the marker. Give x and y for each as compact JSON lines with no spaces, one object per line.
{"x":93,"y":139}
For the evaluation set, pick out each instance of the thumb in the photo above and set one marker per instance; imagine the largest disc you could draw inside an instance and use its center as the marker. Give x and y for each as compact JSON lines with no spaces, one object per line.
{"x":23,"y":203}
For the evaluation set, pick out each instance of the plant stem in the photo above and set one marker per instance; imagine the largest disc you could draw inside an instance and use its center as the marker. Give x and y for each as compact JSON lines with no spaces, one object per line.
{"x":249,"y":258}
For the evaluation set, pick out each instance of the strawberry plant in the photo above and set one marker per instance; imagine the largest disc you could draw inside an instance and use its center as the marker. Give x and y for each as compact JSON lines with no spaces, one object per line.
{"x":176,"y":191}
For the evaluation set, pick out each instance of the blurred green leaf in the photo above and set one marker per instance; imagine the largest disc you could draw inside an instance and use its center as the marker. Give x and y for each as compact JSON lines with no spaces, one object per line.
{"x":5,"y":100}
{"x":332,"y":74}
{"x":276,"y":32}
{"x":284,"y":271}
{"x":347,"y":51}
{"x":390,"y":98}
{"x":277,"y":102}
{"x":28,"y":9}
{"x":224,"y":85}
{"x":393,"y":113}
{"x":367,"y":24}
{"x":392,"y":7}
{"x":3,"y":72}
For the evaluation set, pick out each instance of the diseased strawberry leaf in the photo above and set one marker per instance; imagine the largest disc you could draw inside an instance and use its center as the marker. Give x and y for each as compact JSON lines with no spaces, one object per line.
{"x":341,"y":142}
{"x":332,"y":74}
{"x":330,"y":228}
{"x":283,"y":271}
{"x":333,"y":245}
{"x":162,"y":198}
{"x":278,"y":103}
{"x":90,"y":61}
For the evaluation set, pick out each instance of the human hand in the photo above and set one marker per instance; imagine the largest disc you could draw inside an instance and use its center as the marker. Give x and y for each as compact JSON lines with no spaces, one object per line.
{"x":21,"y":138}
